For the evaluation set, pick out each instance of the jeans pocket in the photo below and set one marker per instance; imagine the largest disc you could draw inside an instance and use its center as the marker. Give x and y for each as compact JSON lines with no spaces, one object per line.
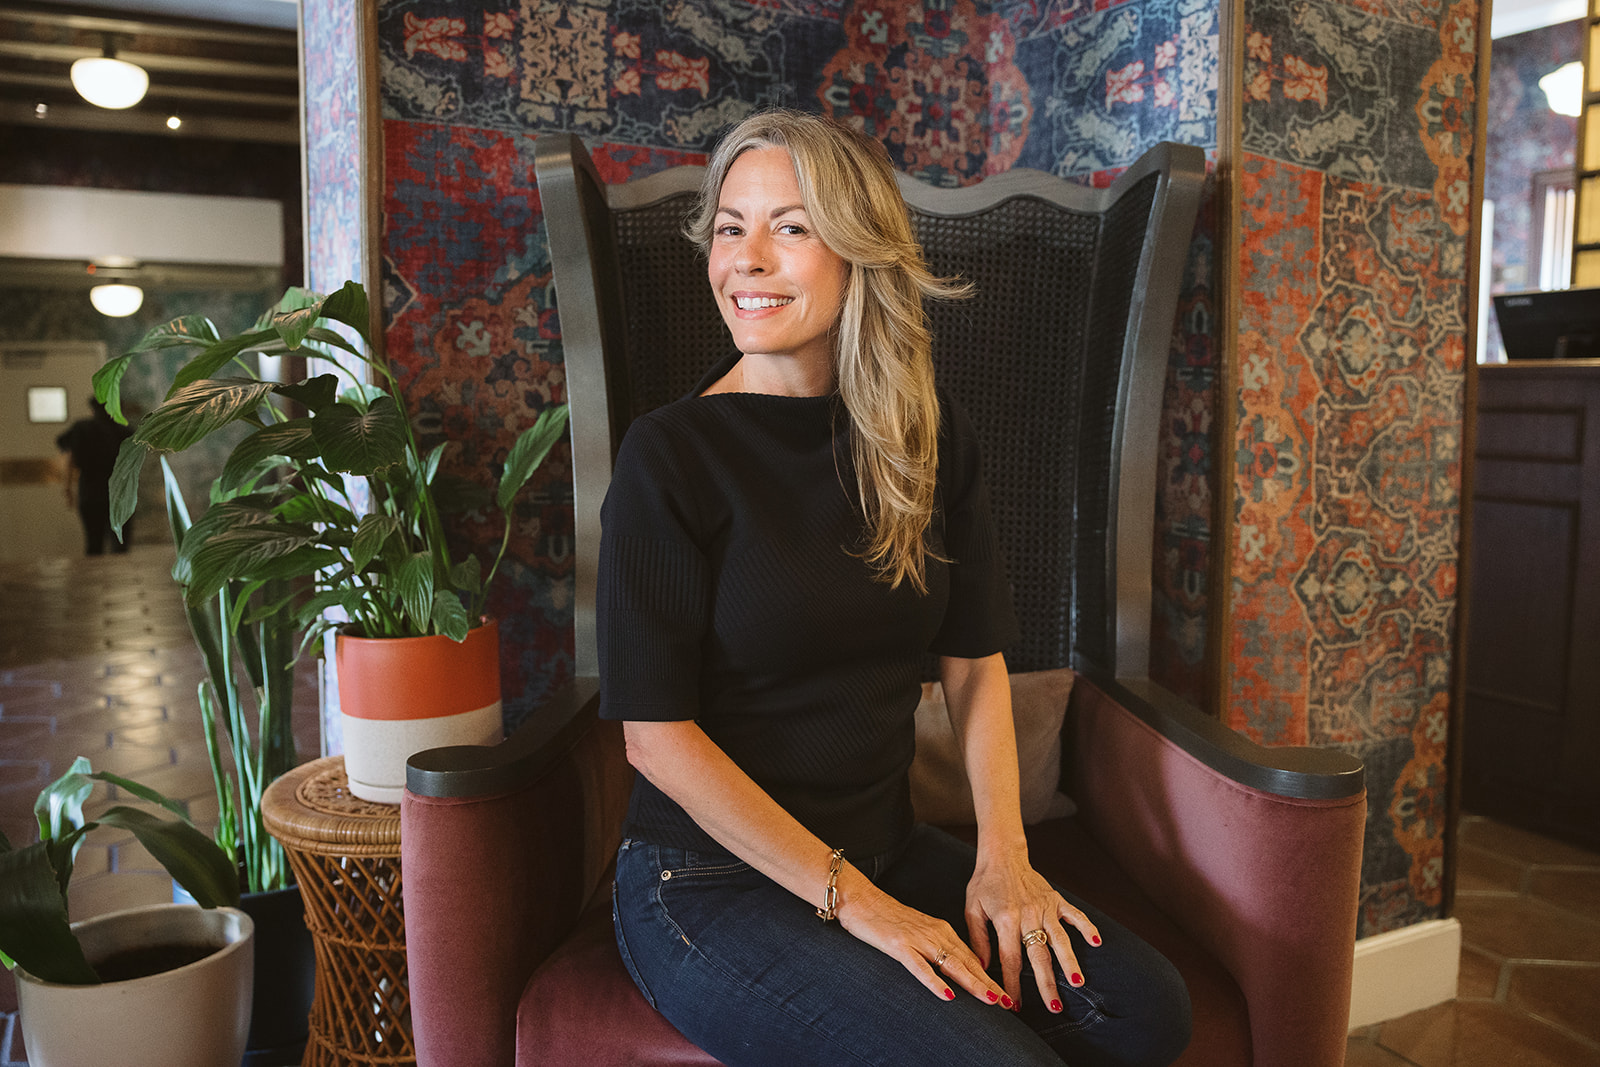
{"x":622,"y":949}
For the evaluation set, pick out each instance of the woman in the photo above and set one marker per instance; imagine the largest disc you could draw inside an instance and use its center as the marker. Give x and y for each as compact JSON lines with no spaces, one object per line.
{"x":781,"y":550}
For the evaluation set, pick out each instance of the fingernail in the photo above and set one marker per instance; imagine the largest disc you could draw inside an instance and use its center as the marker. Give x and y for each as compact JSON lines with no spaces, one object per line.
{"x":993,"y":996}
{"x":1077,"y":979}
{"x":1094,"y":939}
{"x":1055,"y":1006}
{"x":1007,"y":1002}
{"x":949,"y":995}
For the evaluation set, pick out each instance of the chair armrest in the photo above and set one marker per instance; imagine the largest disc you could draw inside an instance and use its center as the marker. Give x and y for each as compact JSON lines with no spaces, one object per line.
{"x":1255,"y":851}
{"x":501,"y":849}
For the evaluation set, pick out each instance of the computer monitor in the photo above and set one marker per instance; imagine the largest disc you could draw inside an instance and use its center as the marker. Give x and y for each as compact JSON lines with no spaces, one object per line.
{"x":1559,"y":324}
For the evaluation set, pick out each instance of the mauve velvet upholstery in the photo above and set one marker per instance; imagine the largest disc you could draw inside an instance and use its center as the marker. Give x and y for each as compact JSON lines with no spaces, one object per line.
{"x":509,"y":935}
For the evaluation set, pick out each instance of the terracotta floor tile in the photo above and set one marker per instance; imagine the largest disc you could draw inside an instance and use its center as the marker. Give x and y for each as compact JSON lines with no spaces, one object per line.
{"x":1480,"y":975}
{"x":1478,"y":870}
{"x":1426,"y":1037}
{"x":1361,"y":1052}
{"x":1519,"y":844}
{"x":1568,"y":996}
{"x":1478,"y":1034}
{"x":1575,"y":890}
{"x":1523,"y":929}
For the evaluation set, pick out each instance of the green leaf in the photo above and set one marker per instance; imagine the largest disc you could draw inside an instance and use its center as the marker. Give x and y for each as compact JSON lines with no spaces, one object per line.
{"x":197,"y":410}
{"x":221,"y":516}
{"x":312,"y":609}
{"x":414,"y":580}
{"x":530,"y":450}
{"x":430,"y":466}
{"x":125,"y":481}
{"x":468,"y":575}
{"x":244,"y":552}
{"x":143,"y":792}
{"x":363,"y":444}
{"x":315,"y":393}
{"x":293,"y":297}
{"x":34,"y":931}
{"x":59,"y":807}
{"x":301,"y":563}
{"x":329,"y":339}
{"x":182,"y":332}
{"x":370,"y":536}
{"x":293,"y":439}
{"x":303,"y":507}
{"x":216,"y":356}
{"x":349,"y":306}
{"x":177,"y":511}
{"x":108,"y":385}
{"x":193,"y":859}
{"x":449,"y":617}
{"x":363,"y":395}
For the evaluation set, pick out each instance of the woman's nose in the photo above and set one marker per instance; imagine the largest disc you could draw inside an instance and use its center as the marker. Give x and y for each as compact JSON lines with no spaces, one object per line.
{"x":752,"y":257}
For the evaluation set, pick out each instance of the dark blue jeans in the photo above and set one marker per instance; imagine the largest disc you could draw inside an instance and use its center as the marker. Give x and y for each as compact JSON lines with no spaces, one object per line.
{"x":745,"y":970}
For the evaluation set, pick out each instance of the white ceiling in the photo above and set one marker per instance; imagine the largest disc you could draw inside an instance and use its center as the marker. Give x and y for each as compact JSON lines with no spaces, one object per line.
{"x":278,"y":14}
{"x":1520,"y":16}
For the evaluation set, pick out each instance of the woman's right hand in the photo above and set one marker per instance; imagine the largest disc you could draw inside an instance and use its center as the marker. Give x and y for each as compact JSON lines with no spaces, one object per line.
{"x":927,"y":947}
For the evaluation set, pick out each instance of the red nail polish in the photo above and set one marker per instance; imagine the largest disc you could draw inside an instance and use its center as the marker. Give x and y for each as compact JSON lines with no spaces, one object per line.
{"x":993,"y":997}
{"x":1077,"y":979}
{"x":948,"y":995}
{"x":1006,"y":1002}
{"x":1055,"y":1006}
{"x":1094,"y":939}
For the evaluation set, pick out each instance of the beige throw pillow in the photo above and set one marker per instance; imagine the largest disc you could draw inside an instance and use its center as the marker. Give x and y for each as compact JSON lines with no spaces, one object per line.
{"x":940,"y":791}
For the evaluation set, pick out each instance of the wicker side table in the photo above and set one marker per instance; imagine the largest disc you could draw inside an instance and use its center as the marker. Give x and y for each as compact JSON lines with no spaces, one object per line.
{"x":345,"y":852}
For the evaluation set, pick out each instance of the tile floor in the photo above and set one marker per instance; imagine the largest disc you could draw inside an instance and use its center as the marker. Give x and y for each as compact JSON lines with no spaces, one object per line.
{"x":96,"y":659}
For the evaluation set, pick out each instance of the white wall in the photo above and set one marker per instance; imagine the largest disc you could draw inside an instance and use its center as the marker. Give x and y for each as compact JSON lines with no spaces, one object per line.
{"x":62,"y":222}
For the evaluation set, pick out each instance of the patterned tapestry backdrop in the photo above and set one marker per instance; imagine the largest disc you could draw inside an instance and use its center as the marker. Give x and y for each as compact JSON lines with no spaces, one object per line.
{"x":1357,"y":131}
{"x":955,"y":89}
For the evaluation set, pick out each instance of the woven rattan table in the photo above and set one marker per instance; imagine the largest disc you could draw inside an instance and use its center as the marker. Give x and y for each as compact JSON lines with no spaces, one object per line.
{"x":345,"y":852}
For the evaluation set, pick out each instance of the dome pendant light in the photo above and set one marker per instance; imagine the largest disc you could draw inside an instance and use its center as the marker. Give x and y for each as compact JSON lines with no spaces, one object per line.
{"x":108,"y":82}
{"x":116,"y":301}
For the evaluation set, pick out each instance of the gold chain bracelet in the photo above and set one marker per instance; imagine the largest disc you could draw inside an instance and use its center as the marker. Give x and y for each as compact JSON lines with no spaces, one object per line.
{"x":830,"y":896}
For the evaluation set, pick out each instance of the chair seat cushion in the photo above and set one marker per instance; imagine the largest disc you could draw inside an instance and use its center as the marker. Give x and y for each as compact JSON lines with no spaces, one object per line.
{"x":581,"y":1008}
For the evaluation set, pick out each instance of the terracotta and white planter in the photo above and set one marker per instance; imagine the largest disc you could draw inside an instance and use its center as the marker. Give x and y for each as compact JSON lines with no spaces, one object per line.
{"x":196,"y":1015}
{"x":400,"y":695}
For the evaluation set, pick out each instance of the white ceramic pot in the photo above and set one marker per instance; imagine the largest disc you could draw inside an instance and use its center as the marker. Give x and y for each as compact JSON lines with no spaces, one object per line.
{"x":197,"y":1015}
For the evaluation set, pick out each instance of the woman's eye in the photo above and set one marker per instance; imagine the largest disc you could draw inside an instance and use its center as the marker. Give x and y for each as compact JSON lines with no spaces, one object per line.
{"x":728,"y":229}
{"x":793,"y":229}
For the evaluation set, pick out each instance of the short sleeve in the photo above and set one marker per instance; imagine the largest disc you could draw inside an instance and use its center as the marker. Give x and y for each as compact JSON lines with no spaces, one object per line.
{"x":653,"y":593}
{"x":979,"y":619}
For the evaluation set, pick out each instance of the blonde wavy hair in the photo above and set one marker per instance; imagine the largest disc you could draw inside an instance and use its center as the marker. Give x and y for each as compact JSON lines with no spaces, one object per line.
{"x":883,"y":349}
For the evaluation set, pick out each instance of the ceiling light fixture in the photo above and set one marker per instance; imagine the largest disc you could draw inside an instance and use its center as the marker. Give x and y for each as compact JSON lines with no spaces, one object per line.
{"x":173,"y":122}
{"x":1563,"y":89}
{"x":116,"y":301}
{"x":108,"y":82}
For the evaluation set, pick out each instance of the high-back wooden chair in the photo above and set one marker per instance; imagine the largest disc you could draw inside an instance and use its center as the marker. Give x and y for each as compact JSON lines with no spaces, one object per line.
{"x":1241,"y":863}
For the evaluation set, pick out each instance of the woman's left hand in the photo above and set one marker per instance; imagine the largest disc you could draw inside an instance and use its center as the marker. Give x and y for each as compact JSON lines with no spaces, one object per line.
{"x":1009,"y":895}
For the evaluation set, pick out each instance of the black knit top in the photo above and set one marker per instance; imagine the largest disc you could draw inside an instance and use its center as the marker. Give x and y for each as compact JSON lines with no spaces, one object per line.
{"x":732,"y":592}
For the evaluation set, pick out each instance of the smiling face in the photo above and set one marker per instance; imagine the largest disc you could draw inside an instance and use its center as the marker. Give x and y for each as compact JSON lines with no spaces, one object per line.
{"x":779,"y":288}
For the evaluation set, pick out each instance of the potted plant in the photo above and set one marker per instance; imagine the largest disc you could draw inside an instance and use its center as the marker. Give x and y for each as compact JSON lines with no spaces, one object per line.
{"x":249,"y":658}
{"x":342,"y":502}
{"x":166,"y":985}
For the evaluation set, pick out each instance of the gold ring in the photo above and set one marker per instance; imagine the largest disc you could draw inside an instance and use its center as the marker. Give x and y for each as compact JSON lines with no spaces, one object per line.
{"x":1036,"y":937}
{"x":938,"y":963}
